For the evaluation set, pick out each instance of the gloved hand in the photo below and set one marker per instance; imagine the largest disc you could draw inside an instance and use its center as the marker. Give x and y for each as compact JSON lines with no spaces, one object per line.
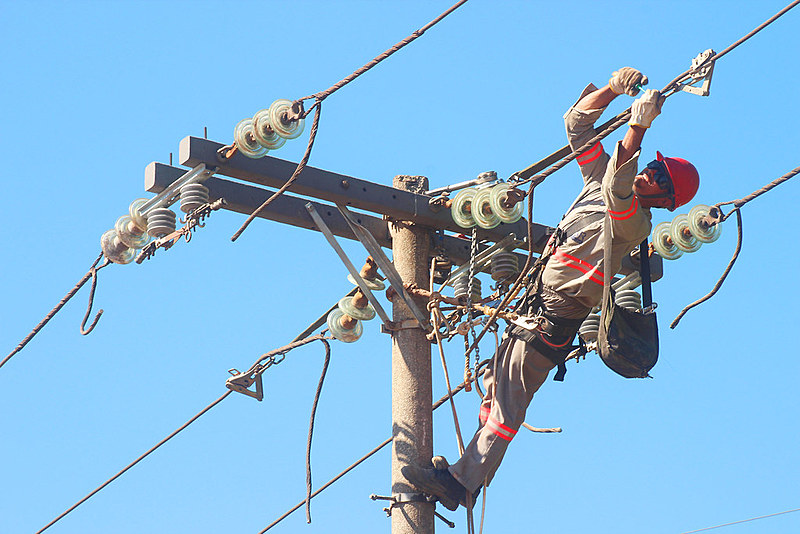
{"x":625,"y":81}
{"x":646,"y":108}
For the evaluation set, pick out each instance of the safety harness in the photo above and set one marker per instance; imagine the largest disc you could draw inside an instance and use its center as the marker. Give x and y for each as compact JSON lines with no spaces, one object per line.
{"x":549,"y":334}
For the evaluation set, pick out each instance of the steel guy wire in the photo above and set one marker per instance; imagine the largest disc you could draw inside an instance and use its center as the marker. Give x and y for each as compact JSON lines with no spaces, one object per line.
{"x":280,"y":351}
{"x":297,"y":108}
{"x":92,"y":273}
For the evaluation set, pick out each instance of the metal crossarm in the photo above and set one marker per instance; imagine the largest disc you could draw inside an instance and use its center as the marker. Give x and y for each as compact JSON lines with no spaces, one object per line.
{"x":342,"y":189}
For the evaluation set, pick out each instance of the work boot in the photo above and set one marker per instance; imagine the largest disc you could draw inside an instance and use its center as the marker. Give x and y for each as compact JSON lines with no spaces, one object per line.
{"x":440,"y":463}
{"x":438,"y":483}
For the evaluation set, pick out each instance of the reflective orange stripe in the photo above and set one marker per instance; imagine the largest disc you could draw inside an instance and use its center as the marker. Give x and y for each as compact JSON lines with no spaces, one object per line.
{"x":590,"y":155}
{"x":500,"y":430}
{"x":576,"y":263}
{"x":628,"y":213}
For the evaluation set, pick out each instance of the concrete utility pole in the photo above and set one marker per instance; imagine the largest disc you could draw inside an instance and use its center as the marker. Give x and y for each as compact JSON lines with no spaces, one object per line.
{"x":412,"y":419}
{"x":410,"y":238}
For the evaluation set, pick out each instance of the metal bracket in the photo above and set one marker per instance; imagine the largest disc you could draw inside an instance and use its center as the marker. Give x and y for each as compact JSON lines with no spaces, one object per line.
{"x":400,"y":498}
{"x":702,"y":69}
{"x":347,"y":263}
{"x":240,"y":382}
{"x":386,"y":266}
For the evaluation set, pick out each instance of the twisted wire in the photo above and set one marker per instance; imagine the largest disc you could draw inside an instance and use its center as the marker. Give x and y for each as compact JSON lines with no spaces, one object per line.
{"x":335,"y":87}
{"x":281,"y":350}
{"x":724,"y":274}
{"x":311,"y":427}
{"x":90,"y":274}
{"x":292,"y":178}
{"x":622,"y":118}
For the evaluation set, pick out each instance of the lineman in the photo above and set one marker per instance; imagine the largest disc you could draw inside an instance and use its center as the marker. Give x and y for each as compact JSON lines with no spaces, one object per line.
{"x":572,"y":280}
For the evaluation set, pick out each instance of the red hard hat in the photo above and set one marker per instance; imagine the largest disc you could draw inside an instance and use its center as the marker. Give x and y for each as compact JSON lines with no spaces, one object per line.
{"x":684,"y":176}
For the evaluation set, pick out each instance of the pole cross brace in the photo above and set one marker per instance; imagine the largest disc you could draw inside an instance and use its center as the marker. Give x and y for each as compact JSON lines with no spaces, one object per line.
{"x":395,"y":280}
{"x":702,"y":69}
{"x":350,"y":267}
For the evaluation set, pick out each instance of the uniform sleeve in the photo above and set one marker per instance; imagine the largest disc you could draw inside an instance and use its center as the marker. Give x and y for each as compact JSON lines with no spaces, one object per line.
{"x":580,"y":129}
{"x":627,"y":216}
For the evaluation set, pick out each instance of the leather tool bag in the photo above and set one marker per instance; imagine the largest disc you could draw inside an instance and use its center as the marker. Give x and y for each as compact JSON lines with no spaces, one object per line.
{"x":627,"y":340}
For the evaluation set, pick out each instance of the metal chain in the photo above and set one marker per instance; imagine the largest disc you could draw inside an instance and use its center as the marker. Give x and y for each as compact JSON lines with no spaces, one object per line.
{"x":473,"y":254}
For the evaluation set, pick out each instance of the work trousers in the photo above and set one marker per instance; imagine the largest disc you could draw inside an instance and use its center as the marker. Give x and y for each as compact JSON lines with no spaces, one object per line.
{"x":517,"y":372}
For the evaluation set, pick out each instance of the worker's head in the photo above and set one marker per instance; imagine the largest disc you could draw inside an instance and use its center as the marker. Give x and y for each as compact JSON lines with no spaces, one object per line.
{"x":666,"y":183}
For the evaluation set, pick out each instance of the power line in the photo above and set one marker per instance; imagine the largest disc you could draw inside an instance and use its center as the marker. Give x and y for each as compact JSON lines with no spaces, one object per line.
{"x":92,"y":273}
{"x":742,"y":521}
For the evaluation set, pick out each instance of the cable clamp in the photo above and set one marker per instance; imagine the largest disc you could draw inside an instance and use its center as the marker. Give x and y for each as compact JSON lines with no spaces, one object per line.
{"x":241,"y":382}
{"x":402,"y":498}
{"x":701,"y":71}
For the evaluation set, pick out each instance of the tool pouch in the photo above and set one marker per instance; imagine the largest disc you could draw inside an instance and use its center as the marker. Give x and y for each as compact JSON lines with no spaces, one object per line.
{"x":627,"y":340}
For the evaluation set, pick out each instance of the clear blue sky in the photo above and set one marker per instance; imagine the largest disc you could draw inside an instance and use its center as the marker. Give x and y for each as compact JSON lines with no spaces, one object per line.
{"x":94,"y":91}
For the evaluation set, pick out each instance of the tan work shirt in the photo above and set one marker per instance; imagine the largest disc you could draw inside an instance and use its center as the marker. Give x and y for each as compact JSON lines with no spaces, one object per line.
{"x":575,"y":270}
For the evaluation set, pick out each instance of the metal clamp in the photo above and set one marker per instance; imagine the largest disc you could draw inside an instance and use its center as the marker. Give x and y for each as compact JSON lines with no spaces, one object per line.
{"x":702,"y":69}
{"x":397,"y":499}
{"x":241,"y":382}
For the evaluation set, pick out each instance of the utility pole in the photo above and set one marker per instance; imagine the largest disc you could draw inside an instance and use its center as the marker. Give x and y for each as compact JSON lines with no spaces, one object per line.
{"x":412,"y":419}
{"x":409,"y":224}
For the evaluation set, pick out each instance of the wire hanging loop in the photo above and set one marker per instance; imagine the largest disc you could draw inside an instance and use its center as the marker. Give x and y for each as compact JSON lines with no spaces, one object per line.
{"x":93,"y":271}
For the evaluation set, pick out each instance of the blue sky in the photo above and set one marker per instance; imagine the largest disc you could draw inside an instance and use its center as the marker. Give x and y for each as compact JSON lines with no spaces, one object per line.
{"x":94,"y":91}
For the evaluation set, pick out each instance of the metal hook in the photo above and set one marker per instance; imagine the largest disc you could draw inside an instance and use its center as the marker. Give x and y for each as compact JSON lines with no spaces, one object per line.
{"x":84,"y":330}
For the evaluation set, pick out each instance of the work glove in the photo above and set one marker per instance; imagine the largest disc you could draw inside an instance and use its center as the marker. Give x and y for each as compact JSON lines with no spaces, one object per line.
{"x":646,"y":108}
{"x":625,"y":81}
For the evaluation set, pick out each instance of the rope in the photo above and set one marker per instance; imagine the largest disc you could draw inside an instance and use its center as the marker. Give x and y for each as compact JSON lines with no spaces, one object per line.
{"x":92,"y":273}
{"x":743,"y":521}
{"x":136,"y":461}
{"x":311,"y":428}
{"x":318,"y":98}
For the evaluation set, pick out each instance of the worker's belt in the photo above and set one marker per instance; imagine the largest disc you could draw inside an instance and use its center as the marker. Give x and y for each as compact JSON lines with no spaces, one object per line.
{"x":551,"y":336}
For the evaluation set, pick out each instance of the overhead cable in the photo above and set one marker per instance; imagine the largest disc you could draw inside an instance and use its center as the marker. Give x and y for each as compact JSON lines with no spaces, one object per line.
{"x":529,"y":175}
{"x":719,"y":216}
{"x":91,"y":273}
{"x":281,"y":350}
{"x":742,"y":521}
{"x":297,"y":108}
